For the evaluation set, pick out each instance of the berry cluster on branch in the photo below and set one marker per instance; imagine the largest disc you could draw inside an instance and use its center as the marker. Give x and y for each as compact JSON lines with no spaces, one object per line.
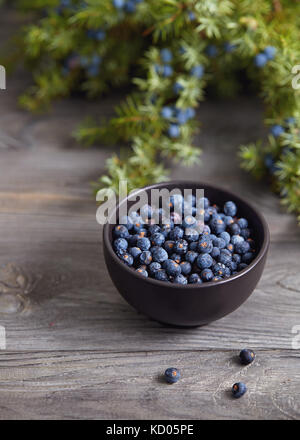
{"x":172,"y":51}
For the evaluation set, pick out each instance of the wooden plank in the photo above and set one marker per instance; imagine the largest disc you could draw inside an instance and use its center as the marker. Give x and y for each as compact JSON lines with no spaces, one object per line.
{"x":71,"y":303}
{"x":75,"y":348}
{"x":95,"y":385}
{"x":51,"y":165}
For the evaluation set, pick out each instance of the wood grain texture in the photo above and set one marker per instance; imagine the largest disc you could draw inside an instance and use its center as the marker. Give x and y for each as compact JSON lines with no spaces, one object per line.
{"x":101,"y":385}
{"x":75,"y":349}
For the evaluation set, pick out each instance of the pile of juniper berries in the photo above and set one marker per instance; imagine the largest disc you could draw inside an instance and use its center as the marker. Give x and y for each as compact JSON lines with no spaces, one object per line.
{"x":185,"y":253}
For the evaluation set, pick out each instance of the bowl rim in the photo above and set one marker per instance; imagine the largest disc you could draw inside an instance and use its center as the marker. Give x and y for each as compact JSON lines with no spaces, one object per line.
{"x":257,"y":259}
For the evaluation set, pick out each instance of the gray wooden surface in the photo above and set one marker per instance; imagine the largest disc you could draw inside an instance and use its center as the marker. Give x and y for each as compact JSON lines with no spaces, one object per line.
{"x":75,"y":349}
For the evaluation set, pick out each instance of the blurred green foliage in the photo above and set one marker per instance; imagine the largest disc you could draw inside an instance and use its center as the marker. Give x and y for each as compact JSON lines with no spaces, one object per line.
{"x":96,"y":45}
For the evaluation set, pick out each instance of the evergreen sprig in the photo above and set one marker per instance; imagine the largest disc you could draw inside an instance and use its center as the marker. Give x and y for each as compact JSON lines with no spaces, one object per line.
{"x":175,"y":50}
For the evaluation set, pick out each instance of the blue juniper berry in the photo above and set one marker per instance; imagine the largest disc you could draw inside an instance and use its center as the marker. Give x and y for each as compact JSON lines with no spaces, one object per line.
{"x":241,"y":247}
{"x":227,"y":270}
{"x":181,"y":246}
{"x":290,"y":121}
{"x":134,"y":215}
{"x":215,"y":252}
{"x":191,"y":15}
{"x":191,"y":256}
{"x":191,"y":234}
{"x":143,"y":243}
{"x":236,"y":239}
{"x":193,"y":246}
{"x":182,"y":117}
{"x":174,"y":131}
{"x":169,"y":246}
{"x":171,"y":267}
{"x":120,"y":245}
{"x":243,"y":223}
{"x":206,"y":230}
{"x":153,"y":229}
{"x":206,"y":275}
{"x":188,"y":221}
{"x":219,"y":242}
{"x":190,"y":112}
{"x":138,"y":225}
{"x":146,"y":212}
{"x":219,"y":269}
{"x":180,"y":279}
{"x":142,"y":233}
{"x":242,"y":266}
{"x":134,"y":251}
{"x":197,"y":71}
{"x":194,"y":278}
{"x":270,"y":52}
{"x":211,"y":50}
{"x":230,"y":208}
{"x":120,"y":231}
{"x":224,"y":257}
{"x":230,"y":247}
{"x":119,"y":4}
{"x":234,"y":229}
{"x":203,"y":202}
{"x":142,"y":271}
{"x":146,"y":257}
{"x":238,"y":389}
{"x":177,"y":88}
{"x":247,"y":257}
{"x":167,"y":71}
{"x":251,"y":243}
{"x":130,"y":6}
{"x":166,"y":55}
{"x":204,"y":261}
{"x":225,"y":236}
{"x":175,"y":257}
{"x":172,"y":375}
{"x":236,"y":258}
{"x":276,"y":130}
{"x":245,"y":233}
{"x":159,"y":254}
{"x":232,"y":265}
{"x":166,"y":228}
{"x":132,"y":239}
{"x":247,"y":356}
{"x":205,"y":245}
{"x":157,"y":239}
{"x":154,"y":267}
{"x":161,"y":275}
{"x":176,"y":233}
{"x":228,"y":220}
{"x":185,"y":267}
{"x":260,"y":60}
{"x":126,"y":258}
{"x":167,"y":112}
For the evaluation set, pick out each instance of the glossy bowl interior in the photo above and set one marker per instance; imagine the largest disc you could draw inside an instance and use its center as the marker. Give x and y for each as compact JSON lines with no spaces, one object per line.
{"x":192,"y":304}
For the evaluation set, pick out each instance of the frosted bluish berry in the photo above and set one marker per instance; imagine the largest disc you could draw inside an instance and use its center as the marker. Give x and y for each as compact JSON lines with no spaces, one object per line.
{"x":172,"y":375}
{"x":270,"y":52}
{"x":238,"y":389}
{"x":276,"y":130}
{"x":260,"y":60}
{"x":197,"y":71}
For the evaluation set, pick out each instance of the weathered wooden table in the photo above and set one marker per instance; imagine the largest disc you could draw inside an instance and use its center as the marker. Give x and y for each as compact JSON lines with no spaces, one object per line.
{"x":75,"y":349}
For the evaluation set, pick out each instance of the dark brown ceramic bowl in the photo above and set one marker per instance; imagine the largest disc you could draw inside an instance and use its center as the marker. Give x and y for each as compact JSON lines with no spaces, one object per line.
{"x":191,"y":305}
